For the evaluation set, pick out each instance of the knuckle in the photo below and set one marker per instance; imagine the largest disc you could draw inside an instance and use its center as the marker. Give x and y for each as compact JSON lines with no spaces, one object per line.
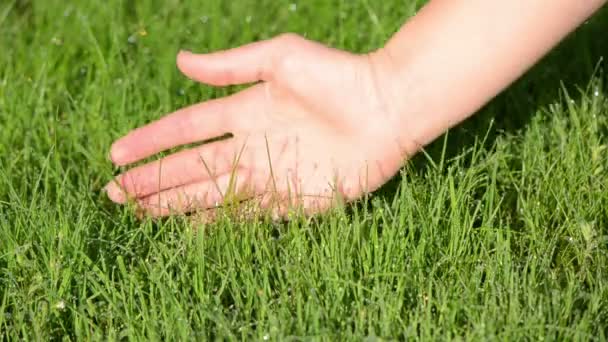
{"x":287,"y":43}
{"x":286,"y":56}
{"x":289,"y":38}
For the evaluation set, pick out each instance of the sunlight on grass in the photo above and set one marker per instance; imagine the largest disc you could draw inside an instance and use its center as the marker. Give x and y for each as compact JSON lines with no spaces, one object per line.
{"x":498,"y":230}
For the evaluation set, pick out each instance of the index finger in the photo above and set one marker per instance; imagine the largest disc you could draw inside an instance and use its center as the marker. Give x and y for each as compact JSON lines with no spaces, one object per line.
{"x":192,"y":124}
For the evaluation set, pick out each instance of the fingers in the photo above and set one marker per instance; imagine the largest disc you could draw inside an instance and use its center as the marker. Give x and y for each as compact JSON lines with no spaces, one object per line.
{"x":196,"y":123}
{"x":198,"y":196}
{"x":206,"y":162}
{"x":245,"y":64}
{"x":206,"y":197}
{"x":249,"y":63}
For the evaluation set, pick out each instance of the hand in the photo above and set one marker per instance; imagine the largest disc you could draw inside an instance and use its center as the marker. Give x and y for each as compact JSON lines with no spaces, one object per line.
{"x":314,"y":128}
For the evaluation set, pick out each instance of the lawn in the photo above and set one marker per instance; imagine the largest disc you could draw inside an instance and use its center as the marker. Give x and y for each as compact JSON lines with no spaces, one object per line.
{"x":498,"y":230}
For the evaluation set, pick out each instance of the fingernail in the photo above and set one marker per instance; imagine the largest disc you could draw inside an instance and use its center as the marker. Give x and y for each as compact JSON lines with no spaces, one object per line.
{"x":117,"y":154}
{"x":114,"y":193}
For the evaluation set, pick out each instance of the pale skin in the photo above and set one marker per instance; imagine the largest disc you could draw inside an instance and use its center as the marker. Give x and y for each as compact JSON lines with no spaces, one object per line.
{"x":319,"y":125}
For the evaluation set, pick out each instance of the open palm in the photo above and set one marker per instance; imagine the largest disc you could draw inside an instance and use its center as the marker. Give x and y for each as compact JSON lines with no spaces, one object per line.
{"x":313,"y":128}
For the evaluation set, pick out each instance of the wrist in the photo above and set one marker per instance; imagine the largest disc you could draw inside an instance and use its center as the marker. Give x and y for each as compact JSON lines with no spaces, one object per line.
{"x":415,"y":113}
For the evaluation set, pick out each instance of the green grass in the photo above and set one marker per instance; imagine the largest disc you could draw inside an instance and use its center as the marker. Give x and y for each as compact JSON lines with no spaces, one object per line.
{"x":499,"y":231}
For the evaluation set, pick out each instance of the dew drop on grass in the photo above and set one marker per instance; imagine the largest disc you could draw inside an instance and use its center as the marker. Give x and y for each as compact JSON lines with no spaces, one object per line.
{"x":132,"y":39}
{"x":596,"y":93}
{"x":266,"y":337}
{"x":293,"y":7}
{"x":60,"y":305}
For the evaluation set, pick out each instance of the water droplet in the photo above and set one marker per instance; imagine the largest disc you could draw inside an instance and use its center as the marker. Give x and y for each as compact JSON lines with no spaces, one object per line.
{"x":60,"y":305}
{"x":132,"y":39}
{"x":266,"y":337}
{"x":293,"y":7}
{"x":204,"y":19}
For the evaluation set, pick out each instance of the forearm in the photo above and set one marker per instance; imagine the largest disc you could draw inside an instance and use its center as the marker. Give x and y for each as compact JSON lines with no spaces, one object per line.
{"x":456,"y":55}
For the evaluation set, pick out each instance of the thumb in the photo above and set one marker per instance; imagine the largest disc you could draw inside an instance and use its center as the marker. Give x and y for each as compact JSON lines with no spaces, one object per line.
{"x":248,"y":63}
